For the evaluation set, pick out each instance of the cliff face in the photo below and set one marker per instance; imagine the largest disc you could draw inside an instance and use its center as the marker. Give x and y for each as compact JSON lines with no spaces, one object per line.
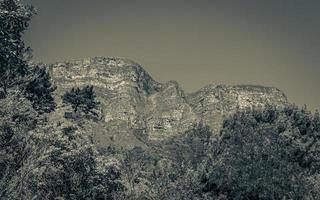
{"x":134,"y":105}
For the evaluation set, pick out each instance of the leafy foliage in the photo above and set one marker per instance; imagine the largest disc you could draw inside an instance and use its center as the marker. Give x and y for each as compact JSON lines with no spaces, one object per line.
{"x":64,"y":167}
{"x":192,"y":147}
{"x":17,"y":118}
{"x":14,"y":19}
{"x":39,"y":90}
{"x":171,"y":170}
{"x":266,"y":154}
{"x":270,"y":153}
{"x":37,"y":160}
{"x":15,"y":72}
{"x":83,"y":99}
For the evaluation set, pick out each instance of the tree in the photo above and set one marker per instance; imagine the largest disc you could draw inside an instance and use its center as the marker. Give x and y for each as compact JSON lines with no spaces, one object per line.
{"x":17,"y":105}
{"x":196,"y":144}
{"x":63,"y":167}
{"x":265,"y":154}
{"x":39,"y":90}
{"x":14,"y":19}
{"x":169,"y":171}
{"x":38,"y":160}
{"x":83,"y":99}
{"x":15,"y":71}
{"x":17,"y":118}
{"x":188,"y":148}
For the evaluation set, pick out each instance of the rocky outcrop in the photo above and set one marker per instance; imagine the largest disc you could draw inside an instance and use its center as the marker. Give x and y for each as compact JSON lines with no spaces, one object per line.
{"x":215,"y":102}
{"x":132,"y":102}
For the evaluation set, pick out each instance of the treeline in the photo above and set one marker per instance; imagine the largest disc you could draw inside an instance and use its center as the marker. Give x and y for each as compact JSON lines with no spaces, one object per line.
{"x":263,"y":153}
{"x":39,"y":159}
{"x":267,"y":153}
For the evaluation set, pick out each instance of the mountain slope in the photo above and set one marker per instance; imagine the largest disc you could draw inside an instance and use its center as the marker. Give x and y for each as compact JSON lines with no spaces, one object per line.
{"x":135,"y":108}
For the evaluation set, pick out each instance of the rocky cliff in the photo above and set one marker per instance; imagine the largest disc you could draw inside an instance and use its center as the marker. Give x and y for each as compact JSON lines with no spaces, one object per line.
{"x":135,"y":106}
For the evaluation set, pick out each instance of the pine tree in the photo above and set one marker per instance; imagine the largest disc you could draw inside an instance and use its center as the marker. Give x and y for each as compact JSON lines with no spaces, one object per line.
{"x":39,"y":90}
{"x":81,"y":100}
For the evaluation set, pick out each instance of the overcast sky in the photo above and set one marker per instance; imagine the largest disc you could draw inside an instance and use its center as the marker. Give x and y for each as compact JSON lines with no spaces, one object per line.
{"x":264,"y":42}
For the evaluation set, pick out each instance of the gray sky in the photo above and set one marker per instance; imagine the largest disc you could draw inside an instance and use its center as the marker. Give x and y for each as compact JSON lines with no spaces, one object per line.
{"x":264,"y":42}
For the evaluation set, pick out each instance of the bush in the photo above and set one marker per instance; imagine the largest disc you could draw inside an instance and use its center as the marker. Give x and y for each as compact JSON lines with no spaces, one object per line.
{"x":64,"y":167}
{"x":267,"y":154}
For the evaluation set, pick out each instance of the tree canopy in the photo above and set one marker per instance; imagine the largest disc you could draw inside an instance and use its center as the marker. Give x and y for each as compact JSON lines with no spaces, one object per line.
{"x":81,"y":99}
{"x":266,"y":154}
{"x":14,"y":19}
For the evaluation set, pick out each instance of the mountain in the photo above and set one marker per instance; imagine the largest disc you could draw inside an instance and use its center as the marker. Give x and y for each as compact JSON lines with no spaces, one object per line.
{"x":135,"y":108}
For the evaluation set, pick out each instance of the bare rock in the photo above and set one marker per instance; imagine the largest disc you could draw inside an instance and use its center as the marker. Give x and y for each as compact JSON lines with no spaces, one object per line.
{"x":132,"y":102}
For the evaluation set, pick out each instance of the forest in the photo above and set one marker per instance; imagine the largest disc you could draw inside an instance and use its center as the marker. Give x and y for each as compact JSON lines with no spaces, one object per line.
{"x":259,"y":153}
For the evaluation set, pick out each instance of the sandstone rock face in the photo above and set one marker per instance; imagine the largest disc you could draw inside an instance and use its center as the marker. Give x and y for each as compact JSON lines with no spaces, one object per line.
{"x":132,"y":102}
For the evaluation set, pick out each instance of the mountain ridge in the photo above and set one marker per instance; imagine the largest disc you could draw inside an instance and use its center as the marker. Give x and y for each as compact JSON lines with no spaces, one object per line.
{"x":131,"y":100}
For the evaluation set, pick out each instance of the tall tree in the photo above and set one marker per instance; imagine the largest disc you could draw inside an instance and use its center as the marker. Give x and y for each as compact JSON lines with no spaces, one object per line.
{"x":17,"y":114}
{"x":14,"y":19}
{"x":15,"y":71}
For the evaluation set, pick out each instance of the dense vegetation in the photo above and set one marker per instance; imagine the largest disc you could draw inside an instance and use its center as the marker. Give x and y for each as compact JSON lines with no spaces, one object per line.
{"x":267,"y":154}
{"x":81,"y":99}
{"x":260,"y":153}
{"x":39,"y":160}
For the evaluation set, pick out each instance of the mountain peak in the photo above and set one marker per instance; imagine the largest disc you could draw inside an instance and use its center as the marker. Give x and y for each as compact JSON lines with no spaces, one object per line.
{"x":109,"y":73}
